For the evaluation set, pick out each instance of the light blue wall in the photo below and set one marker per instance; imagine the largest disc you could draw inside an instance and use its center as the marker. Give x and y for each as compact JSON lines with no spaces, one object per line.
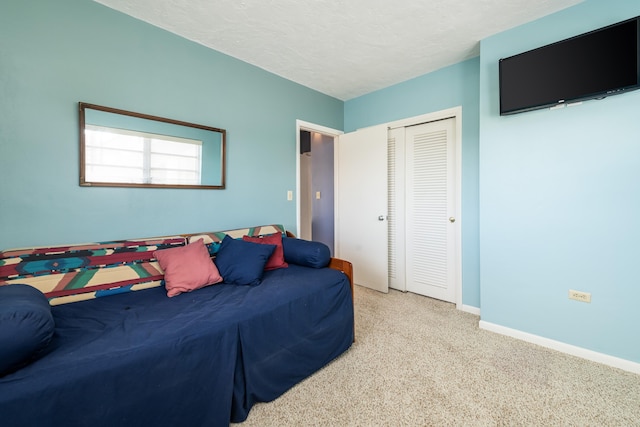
{"x":560,"y":201}
{"x":54,"y":54}
{"x":449,"y":87}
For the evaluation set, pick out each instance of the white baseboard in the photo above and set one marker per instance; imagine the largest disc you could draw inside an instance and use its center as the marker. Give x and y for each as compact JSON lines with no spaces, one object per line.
{"x":594,"y":356}
{"x":470,"y":309}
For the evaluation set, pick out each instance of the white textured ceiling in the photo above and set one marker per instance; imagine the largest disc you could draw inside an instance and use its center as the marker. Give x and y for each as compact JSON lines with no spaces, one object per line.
{"x":343,"y":48}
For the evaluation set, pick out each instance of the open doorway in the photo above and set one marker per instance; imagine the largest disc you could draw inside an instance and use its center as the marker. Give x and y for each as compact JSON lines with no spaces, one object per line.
{"x":315,"y":186}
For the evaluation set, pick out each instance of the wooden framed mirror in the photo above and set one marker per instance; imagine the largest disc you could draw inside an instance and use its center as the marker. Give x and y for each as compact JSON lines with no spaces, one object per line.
{"x":121,"y":148}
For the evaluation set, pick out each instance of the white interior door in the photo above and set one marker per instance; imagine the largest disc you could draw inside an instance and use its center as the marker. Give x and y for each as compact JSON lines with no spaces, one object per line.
{"x":431,"y":209}
{"x":361,"y":205}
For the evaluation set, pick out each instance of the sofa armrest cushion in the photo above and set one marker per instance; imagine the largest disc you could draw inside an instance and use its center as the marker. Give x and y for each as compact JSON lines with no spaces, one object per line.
{"x":305,"y":252}
{"x":242,"y":263}
{"x":26,"y":326}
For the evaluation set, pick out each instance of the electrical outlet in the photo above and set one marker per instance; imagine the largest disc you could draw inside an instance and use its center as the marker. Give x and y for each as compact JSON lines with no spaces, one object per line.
{"x":289,"y":195}
{"x":580,"y":296}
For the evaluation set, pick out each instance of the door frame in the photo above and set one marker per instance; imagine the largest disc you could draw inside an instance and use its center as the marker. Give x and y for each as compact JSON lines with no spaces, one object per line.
{"x":311,"y":127}
{"x":456,"y":114}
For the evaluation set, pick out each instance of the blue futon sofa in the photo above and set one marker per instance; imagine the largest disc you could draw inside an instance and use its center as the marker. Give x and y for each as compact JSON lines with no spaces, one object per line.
{"x":92,"y":352}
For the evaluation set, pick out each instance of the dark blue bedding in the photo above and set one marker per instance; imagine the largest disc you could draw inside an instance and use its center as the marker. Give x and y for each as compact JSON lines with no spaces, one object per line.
{"x":201,"y":358}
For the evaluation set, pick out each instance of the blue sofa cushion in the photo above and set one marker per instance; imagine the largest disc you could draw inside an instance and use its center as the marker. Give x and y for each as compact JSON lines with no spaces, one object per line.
{"x":242,"y":263}
{"x":26,"y":326}
{"x":306,"y":253}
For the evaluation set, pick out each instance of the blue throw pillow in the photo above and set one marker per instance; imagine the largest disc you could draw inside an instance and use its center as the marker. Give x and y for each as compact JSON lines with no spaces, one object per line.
{"x":26,"y":326}
{"x":242,"y":263}
{"x":306,"y":253}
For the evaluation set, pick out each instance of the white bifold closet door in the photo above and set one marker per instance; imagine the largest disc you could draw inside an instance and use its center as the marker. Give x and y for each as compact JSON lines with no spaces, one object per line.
{"x":422,"y":212}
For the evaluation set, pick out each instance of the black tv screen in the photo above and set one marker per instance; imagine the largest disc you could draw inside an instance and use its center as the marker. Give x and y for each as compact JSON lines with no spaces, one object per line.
{"x":592,"y":65}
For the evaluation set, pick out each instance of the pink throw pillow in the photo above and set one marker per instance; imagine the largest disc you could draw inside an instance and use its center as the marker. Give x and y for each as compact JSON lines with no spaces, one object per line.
{"x":277,"y":257}
{"x":187,"y":268}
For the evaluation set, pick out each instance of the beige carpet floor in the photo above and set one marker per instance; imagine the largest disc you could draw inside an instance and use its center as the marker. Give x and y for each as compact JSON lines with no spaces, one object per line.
{"x":420,"y":362}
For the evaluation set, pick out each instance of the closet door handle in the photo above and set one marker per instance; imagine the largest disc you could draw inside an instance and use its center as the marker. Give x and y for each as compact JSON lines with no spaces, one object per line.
{"x":381,"y":218}
{"x":452,"y":219}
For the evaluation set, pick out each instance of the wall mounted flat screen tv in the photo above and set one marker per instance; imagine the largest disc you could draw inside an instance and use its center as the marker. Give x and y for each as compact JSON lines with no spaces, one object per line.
{"x":593,"y":65}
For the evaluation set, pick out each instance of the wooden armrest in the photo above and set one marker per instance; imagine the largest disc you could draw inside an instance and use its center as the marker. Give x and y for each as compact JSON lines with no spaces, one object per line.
{"x":345,"y":266}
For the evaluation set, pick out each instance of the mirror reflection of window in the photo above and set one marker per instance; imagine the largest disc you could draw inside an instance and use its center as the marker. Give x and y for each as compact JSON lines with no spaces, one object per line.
{"x":126,"y":156}
{"x":121,"y":148}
